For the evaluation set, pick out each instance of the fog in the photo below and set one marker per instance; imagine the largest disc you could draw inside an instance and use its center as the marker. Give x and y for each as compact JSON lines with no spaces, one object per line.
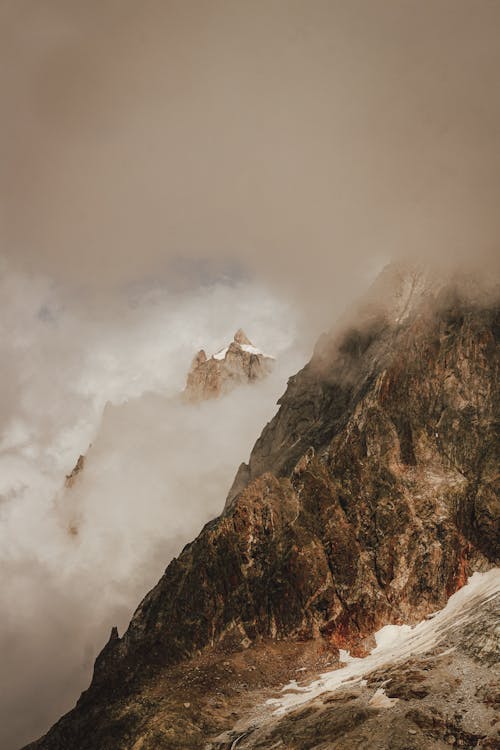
{"x":300,"y":139}
{"x":172,"y":171}
{"x":76,"y":561}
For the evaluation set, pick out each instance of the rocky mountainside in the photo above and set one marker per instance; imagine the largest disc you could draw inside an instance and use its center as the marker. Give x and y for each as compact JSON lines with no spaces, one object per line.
{"x":428,"y":686}
{"x":369,"y":499}
{"x":240,"y":362}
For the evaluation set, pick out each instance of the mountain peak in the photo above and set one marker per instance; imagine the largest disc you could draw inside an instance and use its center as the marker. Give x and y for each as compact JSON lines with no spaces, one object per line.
{"x":237,"y":363}
{"x":241,"y":338}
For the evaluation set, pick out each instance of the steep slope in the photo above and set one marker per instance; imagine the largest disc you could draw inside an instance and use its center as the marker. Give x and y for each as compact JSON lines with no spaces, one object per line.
{"x":367,"y":500}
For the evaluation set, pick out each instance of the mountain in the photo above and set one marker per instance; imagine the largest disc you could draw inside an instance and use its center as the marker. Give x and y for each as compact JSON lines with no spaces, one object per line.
{"x":238,"y":363}
{"x":367,"y":501}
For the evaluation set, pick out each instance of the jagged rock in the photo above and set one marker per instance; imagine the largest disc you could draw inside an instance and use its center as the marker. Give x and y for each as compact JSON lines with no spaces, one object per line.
{"x":77,"y":469}
{"x":241,"y":338}
{"x":423,"y":386}
{"x":368,"y":499}
{"x":240,"y":362}
{"x":198,"y":359}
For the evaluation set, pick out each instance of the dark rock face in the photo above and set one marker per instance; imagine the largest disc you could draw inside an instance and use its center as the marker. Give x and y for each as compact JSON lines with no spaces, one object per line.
{"x":430,"y":378}
{"x":240,"y":362}
{"x":368,"y":499}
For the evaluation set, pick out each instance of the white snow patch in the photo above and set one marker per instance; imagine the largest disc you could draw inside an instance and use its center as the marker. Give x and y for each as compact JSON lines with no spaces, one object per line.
{"x":253,"y":350}
{"x":345,"y":657}
{"x":391,"y":637}
{"x":249,"y":348}
{"x":397,"y":642}
{"x":220,"y":354}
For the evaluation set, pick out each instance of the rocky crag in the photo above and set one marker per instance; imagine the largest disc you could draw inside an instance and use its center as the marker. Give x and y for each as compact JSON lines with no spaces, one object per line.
{"x":369,"y":499}
{"x":238,"y":363}
{"x":75,"y":472}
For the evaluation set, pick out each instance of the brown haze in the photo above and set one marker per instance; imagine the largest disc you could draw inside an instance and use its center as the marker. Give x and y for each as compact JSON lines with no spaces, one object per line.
{"x":302,"y":138}
{"x":287,"y":148}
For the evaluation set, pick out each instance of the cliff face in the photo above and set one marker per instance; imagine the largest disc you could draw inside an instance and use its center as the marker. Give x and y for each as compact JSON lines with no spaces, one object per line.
{"x":368,"y":499}
{"x":240,"y":362}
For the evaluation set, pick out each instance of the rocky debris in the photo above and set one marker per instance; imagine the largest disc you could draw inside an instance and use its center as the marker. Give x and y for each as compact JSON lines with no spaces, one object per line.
{"x":432,"y":700}
{"x":227,"y":693}
{"x":368,"y":499}
{"x":239,"y":363}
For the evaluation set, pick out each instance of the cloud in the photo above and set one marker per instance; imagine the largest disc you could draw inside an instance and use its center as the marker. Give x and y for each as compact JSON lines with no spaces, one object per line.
{"x":108,"y":371}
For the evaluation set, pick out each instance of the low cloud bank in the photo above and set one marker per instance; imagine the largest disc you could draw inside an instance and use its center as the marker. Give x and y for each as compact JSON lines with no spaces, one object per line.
{"x":75,"y":561}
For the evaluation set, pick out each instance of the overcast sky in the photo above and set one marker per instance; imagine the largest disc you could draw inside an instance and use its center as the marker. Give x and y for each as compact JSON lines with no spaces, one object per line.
{"x":300,"y":139}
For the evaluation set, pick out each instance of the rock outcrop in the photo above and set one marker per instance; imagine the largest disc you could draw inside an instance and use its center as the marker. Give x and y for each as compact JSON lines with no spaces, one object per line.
{"x":240,"y":362}
{"x":75,"y":472}
{"x":368,"y":499}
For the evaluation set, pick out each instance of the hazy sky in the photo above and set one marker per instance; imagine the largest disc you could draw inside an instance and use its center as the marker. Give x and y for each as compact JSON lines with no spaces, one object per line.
{"x":171,"y":171}
{"x":301,"y":138}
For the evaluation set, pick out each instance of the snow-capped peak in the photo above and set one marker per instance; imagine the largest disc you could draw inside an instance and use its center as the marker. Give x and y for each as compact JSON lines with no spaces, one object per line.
{"x":241,"y":341}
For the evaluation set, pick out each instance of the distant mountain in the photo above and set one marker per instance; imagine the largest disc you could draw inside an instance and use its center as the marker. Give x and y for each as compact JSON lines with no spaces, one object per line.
{"x":238,"y":363}
{"x":368,"y":500}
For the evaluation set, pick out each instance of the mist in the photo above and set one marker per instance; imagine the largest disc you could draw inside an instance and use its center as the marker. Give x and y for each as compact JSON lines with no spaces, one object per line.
{"x":106,"y":382}
{"x":302,"y":140}
{"x":171,"y":172}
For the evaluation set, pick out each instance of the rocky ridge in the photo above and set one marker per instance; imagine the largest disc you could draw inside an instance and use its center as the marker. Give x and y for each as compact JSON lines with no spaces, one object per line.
{"x":238,"y":363}
{"x":367,"y":500}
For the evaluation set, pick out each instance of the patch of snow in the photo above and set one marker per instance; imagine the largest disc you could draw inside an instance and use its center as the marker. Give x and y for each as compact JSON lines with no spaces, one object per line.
{"x":345,"y":657}
{"x":220,"y":354}
{"x":249,"y":348}
{"x":253,"y":350}
{"x":391,"y":637}
{"x":397,"y":642}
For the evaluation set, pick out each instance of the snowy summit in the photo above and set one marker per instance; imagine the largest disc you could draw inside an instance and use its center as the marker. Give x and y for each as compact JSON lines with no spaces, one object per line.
{"x":238,"y":363}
